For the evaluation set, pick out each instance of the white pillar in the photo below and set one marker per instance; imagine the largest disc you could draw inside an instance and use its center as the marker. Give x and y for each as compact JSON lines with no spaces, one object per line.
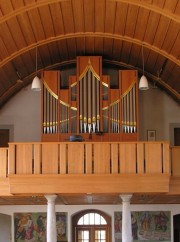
{"x":126,"y":218}
{"x":51,"y":218}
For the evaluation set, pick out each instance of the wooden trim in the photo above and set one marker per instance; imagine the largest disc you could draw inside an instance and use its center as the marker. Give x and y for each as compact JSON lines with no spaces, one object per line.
{"x":73,"y":184}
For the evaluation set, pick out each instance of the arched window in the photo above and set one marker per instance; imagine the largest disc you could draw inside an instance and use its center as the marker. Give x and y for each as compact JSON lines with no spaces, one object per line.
{"x":91,"y":226}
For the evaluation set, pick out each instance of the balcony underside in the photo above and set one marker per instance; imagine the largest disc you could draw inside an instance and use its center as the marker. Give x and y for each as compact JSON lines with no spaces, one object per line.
{"x":30,"y":190}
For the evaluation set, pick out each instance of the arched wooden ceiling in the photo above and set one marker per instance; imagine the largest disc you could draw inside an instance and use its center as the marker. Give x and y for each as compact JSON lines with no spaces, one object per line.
{"x":113,"y":29}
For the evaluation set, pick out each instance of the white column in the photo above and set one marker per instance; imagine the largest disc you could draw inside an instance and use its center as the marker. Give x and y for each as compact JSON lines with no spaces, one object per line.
{"x":126,"y":218}
{"x":51,"y":218}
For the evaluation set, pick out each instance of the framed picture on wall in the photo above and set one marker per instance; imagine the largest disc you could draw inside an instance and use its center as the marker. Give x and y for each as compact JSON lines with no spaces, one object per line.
{"x":151,"y":135}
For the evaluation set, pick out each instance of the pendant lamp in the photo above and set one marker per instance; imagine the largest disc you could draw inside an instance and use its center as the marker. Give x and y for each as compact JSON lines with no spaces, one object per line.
{"x":143,"y":83}
{"x":36,"y":83}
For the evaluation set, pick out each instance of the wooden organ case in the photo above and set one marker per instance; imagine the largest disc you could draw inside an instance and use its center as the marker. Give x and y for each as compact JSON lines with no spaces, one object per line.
{"x":88,"y":106}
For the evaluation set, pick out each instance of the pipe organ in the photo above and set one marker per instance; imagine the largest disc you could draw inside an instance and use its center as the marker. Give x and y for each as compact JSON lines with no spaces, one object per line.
{"x":88,"y":105}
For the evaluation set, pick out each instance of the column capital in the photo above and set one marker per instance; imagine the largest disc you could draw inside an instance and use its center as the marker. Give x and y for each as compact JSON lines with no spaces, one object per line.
{"x":51,"y":197}
{"x":126,"y":197}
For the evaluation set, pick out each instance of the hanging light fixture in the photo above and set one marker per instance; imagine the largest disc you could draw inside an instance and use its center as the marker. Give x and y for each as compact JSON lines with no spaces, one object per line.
{"x":36,"y":83}
{"x":143,"y":83}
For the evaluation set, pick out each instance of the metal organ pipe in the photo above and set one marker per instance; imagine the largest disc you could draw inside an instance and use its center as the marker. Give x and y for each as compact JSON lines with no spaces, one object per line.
{"x":81,"y":107}
{"x":89,"y":101}
{"x":98,"y":115}
{"x":93,"y":104}
{"x":85,"y":105}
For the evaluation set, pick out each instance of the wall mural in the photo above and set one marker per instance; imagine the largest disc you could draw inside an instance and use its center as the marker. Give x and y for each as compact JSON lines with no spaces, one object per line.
{"x":147,"y":226}
{"x":31,"y":227}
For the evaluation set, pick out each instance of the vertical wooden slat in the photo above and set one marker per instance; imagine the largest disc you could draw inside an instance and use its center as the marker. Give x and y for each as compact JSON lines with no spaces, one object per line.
{"x":101,"y":158}
{"x":140,"y":158}
{"x":3,"y":162}
{"x":114,"y":158}
{"x":23,"y":158}
{"x":153,"y":157}
{"x":75,"y":158}
{"x":166,"y":158}
{"x":11,"y":159}
{"x":49,"y":158}
{"x":89,"y":160}
{"x":175,"y":161}
{"x":62,"y":158}
{"x":37,"y":158}
{"x":127,"y":153}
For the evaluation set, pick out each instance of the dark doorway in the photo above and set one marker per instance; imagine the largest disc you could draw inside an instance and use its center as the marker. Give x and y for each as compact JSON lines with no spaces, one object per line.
{"x":4,"y":137}
{"x":176,"y":225}
{"x":177,"y":136}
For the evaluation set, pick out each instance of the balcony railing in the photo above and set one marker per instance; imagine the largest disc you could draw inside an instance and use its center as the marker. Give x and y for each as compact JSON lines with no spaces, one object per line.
{"x":86,"y":158}
{"x":91,"y":167}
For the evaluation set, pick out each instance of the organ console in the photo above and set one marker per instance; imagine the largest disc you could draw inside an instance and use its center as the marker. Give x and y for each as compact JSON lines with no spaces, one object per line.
{"x":88,"y":105}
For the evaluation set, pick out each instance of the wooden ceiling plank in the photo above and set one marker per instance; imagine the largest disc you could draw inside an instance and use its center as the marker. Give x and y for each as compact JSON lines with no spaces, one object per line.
{"x":16,"y":32}
{"x":141,"y":24}
{"x":171,"y":36}
{"x":7,"y":38}
{"x":17,"y":4}
{"x":57,"y":18}
{"x":88,"y":15}
{"x":150,"y":62}
{"x":108,"y":45}
{"x":135,"y":56}
{"x":46,"y":20}
{"x":99,"y":15}
{"x":26,"y":28}
{"x":71,"y":44}
{"x":54,"y":52}
{"x":151,"y":28}
{"x":67,"y":13}
{"x":78,"y":16}
{"x":120,"y":21}
{"x":80,"y":46}
{"x":159,"y":4}
{"x":125,"y":51}
{"x":171,"y":5}
{"x":98,"y":45}
{"x":6,"y":7}
{"x":3,"y":49}
{"x":110,"y":15}
{"x":162,"y":31}
{"x":63,"y":50}
{"x":177,"y":9}
{"x":132,"y":16}
{"x":89,"y":43}
{"x":117,"y":48}
{"x":36,"y":24}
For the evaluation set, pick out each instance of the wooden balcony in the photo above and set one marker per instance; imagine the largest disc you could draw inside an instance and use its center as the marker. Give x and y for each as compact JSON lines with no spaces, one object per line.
{"x":84,"y":167}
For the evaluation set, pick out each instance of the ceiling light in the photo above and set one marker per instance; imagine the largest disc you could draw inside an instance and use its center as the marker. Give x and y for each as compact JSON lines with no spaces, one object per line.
{"x":36,"y":84}
{"x":143,"y":83}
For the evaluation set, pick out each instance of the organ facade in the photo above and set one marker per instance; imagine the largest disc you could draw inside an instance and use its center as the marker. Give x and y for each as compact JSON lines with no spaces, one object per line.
{"x":88,"y":105}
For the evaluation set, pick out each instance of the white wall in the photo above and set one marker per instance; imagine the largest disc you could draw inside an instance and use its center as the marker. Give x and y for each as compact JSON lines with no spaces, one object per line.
{"x":22,"y":115}
{"x":5,"y":228}
{"x":71,"y":210}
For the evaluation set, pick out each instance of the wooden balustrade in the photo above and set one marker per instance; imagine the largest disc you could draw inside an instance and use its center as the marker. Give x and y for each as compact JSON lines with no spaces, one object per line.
{"x":3,"y":162}
{"x":86,"y":158}
{"x":91,"y":167}
{"x":175,"y":160}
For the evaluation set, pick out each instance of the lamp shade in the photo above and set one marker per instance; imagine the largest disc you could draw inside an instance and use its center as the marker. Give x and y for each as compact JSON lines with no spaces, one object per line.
{"x":36,"y":84}
{"x":143,"y":83}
